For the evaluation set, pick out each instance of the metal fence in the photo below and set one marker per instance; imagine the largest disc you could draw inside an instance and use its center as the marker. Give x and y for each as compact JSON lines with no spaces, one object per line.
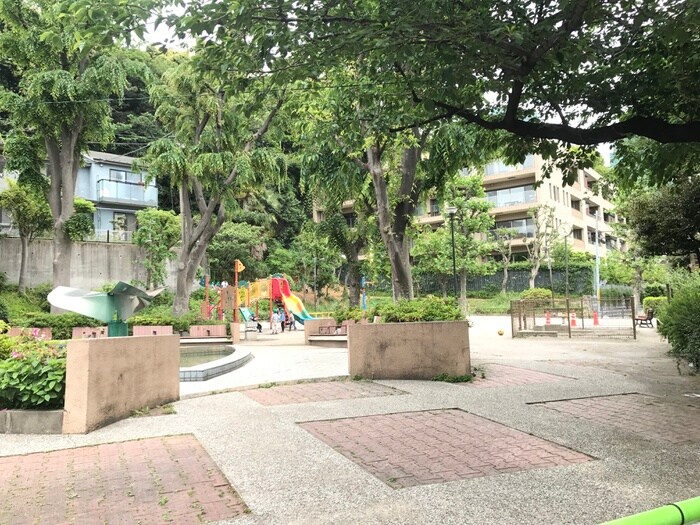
{"x":580,"y":317}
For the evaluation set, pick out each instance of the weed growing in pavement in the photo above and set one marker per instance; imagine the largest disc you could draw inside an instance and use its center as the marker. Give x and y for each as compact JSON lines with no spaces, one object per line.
{"x":447,"y":378}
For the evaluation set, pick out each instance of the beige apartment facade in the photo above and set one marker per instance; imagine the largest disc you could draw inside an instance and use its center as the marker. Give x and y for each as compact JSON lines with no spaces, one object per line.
{"x":513,"y":191}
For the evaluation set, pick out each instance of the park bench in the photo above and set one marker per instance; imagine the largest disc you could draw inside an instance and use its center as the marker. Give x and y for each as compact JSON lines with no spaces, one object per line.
{"x":645,"y":320}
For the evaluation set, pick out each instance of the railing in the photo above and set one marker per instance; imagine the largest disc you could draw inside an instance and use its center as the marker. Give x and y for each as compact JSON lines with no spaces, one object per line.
{"x":111,"y":236}
{"x":132,"y":192}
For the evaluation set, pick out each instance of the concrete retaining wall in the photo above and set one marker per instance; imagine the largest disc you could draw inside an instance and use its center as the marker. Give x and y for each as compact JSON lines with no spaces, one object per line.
{"x":107,"y":379}
{"x":92,"y":263}
{"x":408,"y":350}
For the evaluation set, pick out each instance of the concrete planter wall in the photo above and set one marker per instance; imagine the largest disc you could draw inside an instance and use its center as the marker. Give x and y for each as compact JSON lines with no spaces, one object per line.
{"x":89,"y":332}
{"x":152,"y":330}
{"x":408,"y":350}
{"x":40,"y":333}
{"x":107,"y":379}
{"x":311,"y":327}
{"x":235,"y":329}
{"x":31,"y":421}
{"x":208,"y":330}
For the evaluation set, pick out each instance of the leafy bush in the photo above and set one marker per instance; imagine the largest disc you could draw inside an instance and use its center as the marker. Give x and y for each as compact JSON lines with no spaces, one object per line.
{"x":164,"y":298}
{"x":81,"y":223}
{"x":199,"y":294}
{"x":539,"y":294}
{"x":4,"y":313}
{"x":32,"y":375}
{"x":653,"y":290}
{"x":428,"y":309}
{"x":179,"y":324}
{"x":679,"y":323}
{"x":344,"y":313}
{"x":658,"y":304}
{"x":3,"y":280}
{"x":61,"y":324}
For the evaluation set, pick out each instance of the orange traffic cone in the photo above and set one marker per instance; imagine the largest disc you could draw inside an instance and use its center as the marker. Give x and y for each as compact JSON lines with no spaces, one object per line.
{"x":573,"y":318}
{"x":547,"y":318}
{"x":595,"y":318}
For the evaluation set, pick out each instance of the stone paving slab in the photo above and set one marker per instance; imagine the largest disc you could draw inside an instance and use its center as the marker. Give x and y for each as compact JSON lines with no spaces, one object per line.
{"x":502,"y":375}
{"x":149,"y":481}
{"x":641,"y":414}
{"x":314,"y":392}
{"x":419,"y":448}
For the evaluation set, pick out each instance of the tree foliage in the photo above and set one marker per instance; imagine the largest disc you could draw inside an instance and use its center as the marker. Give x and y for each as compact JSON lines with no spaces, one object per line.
{"x":157,"y":234}
{"x":573,"y":71}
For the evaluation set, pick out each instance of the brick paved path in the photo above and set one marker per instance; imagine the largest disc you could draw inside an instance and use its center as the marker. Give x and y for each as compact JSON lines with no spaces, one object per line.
{"x":644,"y":415}
{"x":323,"y":391}
{"x":501,"y":375}
{"x":416,"y":448}
{"x":150,"y":481}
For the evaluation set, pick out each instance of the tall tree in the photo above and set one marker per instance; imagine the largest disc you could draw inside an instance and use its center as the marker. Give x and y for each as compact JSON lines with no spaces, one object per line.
{"x":432,"y":255}
{"x":67,"y":57}
{"x":471,"y":223}
{"x":503,"y":245}
{"x":542,"y":240}
{"x":214,"y":149}
{"x":31,"y":214}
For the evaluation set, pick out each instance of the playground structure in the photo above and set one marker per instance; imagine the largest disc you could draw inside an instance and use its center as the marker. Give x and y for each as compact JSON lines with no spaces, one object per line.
{"x":244,"y":296}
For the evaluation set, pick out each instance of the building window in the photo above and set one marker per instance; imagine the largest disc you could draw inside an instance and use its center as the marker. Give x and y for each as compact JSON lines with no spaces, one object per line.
{"x":434,"y":208}
{"x":512,"y":196}
{"x":576,"y":205}
{"x":124,"y":176}
{"x":350,"y":219}
{"x":578,"y":234}
{"x":319,"y":216}
{"x":523,"y":227}
{"x":498,"y":167}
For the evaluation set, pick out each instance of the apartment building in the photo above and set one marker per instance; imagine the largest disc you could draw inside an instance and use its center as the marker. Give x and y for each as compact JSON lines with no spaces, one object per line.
{"x":116,"y":190}
{"x":577,"y":208}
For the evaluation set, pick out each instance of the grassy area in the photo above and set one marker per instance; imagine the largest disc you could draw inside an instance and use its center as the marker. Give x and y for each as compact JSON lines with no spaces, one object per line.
{"x":19,"y":305}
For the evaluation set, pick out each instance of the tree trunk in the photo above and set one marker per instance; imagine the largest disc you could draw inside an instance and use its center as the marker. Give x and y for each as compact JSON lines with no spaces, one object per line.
{"x":63,"y":162}
{"x":354,"y":280}
{"x":463,"y":306}
{"x":22,"y":285}
{"x":395,"y":243}
{"x":637,"y":288}
{"x":533,"y":274}
{"x":504,"y":282}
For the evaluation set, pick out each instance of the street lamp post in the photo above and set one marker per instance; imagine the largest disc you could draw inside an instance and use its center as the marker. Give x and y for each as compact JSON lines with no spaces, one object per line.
{"x":451,"y":211}
{"x":597,"y":260}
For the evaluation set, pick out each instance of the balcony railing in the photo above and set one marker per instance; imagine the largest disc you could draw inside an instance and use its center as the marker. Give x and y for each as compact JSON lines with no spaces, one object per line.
{"x":512,"y":199}
{"x":126,"y":192}
{"x":499,"y":167}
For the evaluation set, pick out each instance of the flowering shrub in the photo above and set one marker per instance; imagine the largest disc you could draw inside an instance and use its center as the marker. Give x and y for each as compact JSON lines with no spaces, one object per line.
{"x":32,"y":373}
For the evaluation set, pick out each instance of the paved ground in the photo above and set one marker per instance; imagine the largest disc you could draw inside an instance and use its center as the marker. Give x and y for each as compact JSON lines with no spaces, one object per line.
{"x":571,"y":432}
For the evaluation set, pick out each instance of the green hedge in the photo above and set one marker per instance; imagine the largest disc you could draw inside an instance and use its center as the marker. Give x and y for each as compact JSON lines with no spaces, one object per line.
{"x":426,"y":309}
{"x":540,"y":294}
{"x":679,"y":323}
{"x":32,"y":373}
{"x":658,"y":304}
{"x":179,"y":324}
{"x":61,"y":324}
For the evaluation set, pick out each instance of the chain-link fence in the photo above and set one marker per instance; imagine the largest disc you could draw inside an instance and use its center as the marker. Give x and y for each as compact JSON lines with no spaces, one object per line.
{"x":580,"y":317}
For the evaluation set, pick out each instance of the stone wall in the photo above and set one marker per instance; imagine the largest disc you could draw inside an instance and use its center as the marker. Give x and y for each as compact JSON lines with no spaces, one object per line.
{"x":107,"y":379}
{"x":408,"y":350}
{"x":92,"y":263}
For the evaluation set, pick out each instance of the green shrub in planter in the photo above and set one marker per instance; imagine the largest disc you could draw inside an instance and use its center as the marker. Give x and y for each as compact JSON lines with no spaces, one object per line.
{"x":61,"y":324}
{"x":679,"y":323}
{"x":658,"y":304}
{"x":179,"y":324}
{"x":33,"y":375}
{"x":345,"y":313}
{"x":428,"y":309}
